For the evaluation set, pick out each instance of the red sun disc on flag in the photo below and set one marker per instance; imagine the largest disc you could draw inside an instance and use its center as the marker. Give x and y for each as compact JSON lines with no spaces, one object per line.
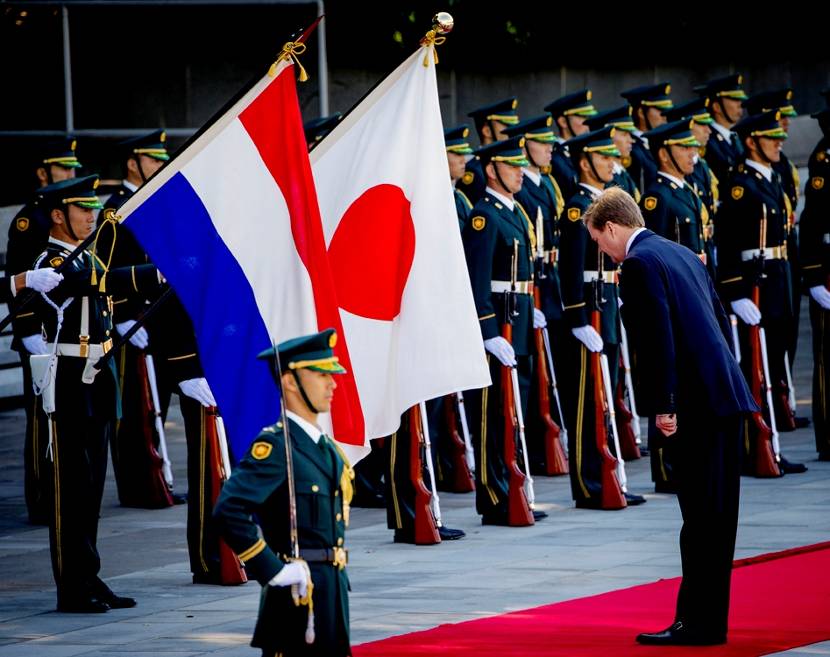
{"x":371,"y":253}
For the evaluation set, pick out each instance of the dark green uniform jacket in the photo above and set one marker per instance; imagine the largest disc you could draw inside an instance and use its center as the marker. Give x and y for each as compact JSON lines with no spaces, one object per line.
{"x":259,"y":486}
{"x":675,"y":212}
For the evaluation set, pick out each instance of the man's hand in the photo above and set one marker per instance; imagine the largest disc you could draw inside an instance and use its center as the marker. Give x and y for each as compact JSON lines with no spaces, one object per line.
{"x":747,"y":311}
{"x":502,"y":350}
{"x":35,"y":344}
{"x":43,"y":280}
{"x":821,"y":295}
{"x":667,"y":424}
{"x":139,"y":339}
{"x":588,"y":336}
{"x":292,"y":573}
{"x":539,"y":321}
{"x":199,"y":390}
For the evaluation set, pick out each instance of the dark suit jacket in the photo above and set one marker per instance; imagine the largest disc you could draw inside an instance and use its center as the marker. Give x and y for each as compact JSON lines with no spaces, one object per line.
{"x":680,"y":332}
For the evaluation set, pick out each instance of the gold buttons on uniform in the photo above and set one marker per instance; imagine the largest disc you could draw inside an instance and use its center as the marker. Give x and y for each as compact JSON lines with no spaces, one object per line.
{"x":314,"y":488}
{"x":340,"y":541}
{"x":338,"y":517}
{"x":336,"y":493}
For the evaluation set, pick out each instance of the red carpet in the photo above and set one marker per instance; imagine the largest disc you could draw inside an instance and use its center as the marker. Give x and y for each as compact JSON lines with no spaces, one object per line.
{"x":779,"y":601}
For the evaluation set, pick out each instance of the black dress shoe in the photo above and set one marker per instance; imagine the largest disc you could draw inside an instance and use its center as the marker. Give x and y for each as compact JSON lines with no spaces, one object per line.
{"x":103,"y":593}
{"x":83,"y":606}
{"x":179,"y":498}
{"x":644,"y":451}
{"x":634,"y":500}
{"x":824,"y":456}
{"x":678,"y":635}
{"x":802,"y":422}
{"x":450,"y":534}
{"x":207,"y":578}
{"x":788,"y":467}
{"x":539,"y":515}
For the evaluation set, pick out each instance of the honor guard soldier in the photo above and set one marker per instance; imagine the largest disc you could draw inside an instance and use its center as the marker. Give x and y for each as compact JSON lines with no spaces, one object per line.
{"x":540,"y":194}
{"x":569,"y":114}
{"x":499,"y":244}
{"x":724,"y":151}
{"x":297,"y":483}
{"x":28,"y":234}
{"x":588,"y":280}
{"x":782,"y":100}
{"x":75,"y":321}
{"x":458,"y":149}
{"x":672,"y":209}
{"x":702,"y":179}
{"x":489,"y":121}
{"x":752,"y":233}
{"x":815,"y":265}
{"x":647,"y":106}
{"x":620,"y":120}
{"x":169,"y":338}
{"x":318,"y":128}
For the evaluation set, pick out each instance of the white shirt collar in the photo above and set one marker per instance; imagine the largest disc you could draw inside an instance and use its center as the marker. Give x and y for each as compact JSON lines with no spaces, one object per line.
{"x":766,"y":172}
{"x":314,"y":432}
{"x":618,"y":168}
{"x":129,"y":185}
{"x":535,"y":177}
{"x":677,"y":181}
{"x":631,"y":239}
{"x":725,"y":132}
{"x":501,"y":197}
{"x":66,"y":245}
{"x":594,"y":191}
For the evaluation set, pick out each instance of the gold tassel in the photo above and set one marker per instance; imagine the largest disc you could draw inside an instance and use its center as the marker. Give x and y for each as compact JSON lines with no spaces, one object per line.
{"x":432,"y":39}
{"x":442,"y":23}
{"x":290,"y":51}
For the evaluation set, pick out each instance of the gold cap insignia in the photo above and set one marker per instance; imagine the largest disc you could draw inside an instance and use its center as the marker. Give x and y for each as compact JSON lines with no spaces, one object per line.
{"x":261,"y":450}
{"x":22,"y":224}
{"x":73,"y":146}
{"x":817,"y":182}
{"x":468,"y":178}
{"x":163,"y":137}
{"x":332,"y":340}
{"x":650,"y":202}
{"x":737,"y":193}
{"x":574,"y":214}
{"x":479,"y":222}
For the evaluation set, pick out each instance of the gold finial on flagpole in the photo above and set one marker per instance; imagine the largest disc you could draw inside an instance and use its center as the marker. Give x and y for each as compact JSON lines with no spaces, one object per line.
{"x":442,"y":23}
{"x":290,"y":51}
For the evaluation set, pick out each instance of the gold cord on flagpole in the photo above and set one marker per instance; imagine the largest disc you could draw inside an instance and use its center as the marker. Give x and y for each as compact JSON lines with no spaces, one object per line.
{"x":290,"y":51}
{"x":442,"y":23}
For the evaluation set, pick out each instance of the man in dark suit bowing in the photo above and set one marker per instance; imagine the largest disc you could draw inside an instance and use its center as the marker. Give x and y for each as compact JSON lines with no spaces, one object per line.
{"x":676,"y":323}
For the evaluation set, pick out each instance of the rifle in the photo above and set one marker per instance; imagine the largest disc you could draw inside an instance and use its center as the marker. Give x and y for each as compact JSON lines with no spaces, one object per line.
{"x":763,"y":463}
{"x":627,"y":420}
{"x":426,"y":527}
{"x":563,"y":429}
{"x":468,"y":443}
{"x":158,"y":421}
{"x":231,"y":570}
{"x":612,"y":494}
{"x":462,"y":479}
{"x":736,"y":343}
{"x":519,"y":513}
{"x":556,"y":463}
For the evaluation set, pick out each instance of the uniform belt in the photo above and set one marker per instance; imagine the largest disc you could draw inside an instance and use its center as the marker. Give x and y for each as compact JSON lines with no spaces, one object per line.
{"x":336,"y":556}
{"x":84,"y":349}
{"x":770,"y":253}
{"x":825,"y":238}
{"x":522,"y":287}
{"x":607,"y":276}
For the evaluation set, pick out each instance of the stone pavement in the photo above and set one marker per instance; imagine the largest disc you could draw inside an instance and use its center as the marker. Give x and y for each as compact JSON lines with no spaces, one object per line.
{"x":396,"y":588}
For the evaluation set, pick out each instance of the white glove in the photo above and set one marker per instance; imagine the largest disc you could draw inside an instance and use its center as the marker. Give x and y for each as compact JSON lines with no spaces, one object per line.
{"x":588,"y":336}
{"x":747,"y":311}
{"x":35,"y":344}
{"x":43,"y":280}
{"x":539,"y":320}
{"x":139,"y":339}
{"x":821,"y":295}
{"x":502,"y":350}
{"x":199,"y":390}
{"x":292,"y":573}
